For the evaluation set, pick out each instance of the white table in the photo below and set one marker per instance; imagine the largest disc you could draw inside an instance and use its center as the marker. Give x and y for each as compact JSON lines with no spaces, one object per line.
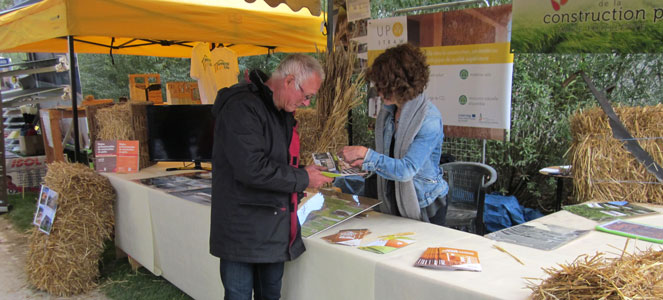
{"x":170,"y":237}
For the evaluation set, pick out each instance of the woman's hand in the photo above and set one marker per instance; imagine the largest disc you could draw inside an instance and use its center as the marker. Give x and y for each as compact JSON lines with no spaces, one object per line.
{"x":354,"y":155}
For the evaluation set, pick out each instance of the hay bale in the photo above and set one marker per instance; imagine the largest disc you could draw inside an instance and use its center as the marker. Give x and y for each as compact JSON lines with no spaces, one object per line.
{"x":602,"y":169}
{"x":66,"y":262}
{"x":115,"y":123}
{"x":631,"y":276}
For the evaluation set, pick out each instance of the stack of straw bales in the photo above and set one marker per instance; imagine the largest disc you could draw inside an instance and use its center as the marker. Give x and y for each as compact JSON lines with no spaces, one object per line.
{"x":324,"y":129}
{"x":66,"y":262}
{"x":603,"y":170}
{"x":126,"y":121}
{"x":115,"y":123}
{"x":631,"y":276}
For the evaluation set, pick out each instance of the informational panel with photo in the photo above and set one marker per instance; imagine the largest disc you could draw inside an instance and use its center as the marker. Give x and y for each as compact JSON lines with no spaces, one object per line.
{"x":602,"y":211}
{"x":46,"y":208}
{"x":470,"y":64}
{"x":539,"y":236}
{"x":326,"y":209}
{"x":587,"y":26}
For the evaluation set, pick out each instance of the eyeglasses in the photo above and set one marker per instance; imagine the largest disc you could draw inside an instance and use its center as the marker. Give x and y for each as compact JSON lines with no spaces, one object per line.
{"x":307,"y":97}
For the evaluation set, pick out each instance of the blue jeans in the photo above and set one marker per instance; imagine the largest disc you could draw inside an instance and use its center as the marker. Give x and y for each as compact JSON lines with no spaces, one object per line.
{"x":240,"y":278}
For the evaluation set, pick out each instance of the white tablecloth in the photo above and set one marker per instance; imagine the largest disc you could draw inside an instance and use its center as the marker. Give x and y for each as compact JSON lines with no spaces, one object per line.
{"x":170,"y":237}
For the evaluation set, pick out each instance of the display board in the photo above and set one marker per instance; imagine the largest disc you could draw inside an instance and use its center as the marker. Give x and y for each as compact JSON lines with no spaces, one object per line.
{"x":587,"y":26}
{"x":470,"y":62}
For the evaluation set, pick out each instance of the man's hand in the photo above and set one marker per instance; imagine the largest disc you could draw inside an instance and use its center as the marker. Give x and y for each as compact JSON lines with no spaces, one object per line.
{"x":315,"y":178}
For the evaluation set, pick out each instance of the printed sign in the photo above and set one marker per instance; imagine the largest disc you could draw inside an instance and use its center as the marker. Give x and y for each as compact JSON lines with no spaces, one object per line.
{"x":587,"y":26}
{"x":470,"y":74}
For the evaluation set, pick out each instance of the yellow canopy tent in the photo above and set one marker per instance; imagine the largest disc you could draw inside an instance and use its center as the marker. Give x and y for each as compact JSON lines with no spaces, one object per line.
{"x":166,"y":28}
{"x":159,"y":27}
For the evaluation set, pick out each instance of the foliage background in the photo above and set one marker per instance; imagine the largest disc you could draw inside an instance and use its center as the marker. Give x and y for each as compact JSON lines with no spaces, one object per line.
{"x":539,"y":133}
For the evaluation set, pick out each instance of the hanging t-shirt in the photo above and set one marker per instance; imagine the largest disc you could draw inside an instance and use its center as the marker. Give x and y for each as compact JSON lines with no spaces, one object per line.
{"x":214,"y":70}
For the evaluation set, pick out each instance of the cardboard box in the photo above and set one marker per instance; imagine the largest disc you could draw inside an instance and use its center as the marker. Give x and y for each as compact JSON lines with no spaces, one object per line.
{"x":138,"y":83}
{"x":31,"y":145}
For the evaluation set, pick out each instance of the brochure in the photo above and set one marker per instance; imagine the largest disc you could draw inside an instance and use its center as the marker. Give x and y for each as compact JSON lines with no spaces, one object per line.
{"x":449,"y":259}
{"x":327,"y":208}
{"x":335,"y":167}
{"x":539,"y":236}
{"x":602,"y":211}
{"x":388,"y":243}
{"x":194,"y":186}
{"x":105,"y":156}
{"x":116,"y":156}
{"x":638,"y":231}
{"x":46,"y":208}
{"x":127,"y":157}
{"x":349,"y":237}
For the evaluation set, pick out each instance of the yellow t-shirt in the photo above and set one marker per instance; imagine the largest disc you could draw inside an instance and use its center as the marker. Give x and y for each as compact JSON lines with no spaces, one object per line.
{"x":214,"y":70}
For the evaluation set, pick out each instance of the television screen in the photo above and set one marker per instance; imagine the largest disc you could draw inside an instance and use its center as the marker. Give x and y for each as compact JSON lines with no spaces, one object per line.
{"x":180,"y":132}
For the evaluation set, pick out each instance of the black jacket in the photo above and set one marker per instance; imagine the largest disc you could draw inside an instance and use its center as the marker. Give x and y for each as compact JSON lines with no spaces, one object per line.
{"x":252,"y":181}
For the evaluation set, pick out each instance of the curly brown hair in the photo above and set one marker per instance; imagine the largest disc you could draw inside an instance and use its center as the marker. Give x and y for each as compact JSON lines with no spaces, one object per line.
{"x":400,"y":73}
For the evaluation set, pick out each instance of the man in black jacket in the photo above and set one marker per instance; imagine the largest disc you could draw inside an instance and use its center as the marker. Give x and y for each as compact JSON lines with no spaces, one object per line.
{"x":256,"y":181}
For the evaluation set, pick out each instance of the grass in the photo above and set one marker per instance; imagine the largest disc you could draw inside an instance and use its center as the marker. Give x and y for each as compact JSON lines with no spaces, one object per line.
{"x":23,"y":207}
{"x":118,"y":280}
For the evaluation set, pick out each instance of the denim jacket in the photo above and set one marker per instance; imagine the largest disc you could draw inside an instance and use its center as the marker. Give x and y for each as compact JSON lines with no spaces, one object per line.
{"x":417,"y":161}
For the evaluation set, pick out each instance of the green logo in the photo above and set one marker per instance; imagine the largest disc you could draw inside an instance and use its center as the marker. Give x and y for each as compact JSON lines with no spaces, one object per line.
{"x":462,"y":100}
{"x":464,"y":74}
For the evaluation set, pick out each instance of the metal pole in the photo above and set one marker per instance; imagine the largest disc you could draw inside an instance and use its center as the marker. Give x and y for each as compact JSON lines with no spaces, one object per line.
{"x":483,"y":151}
{"x":330,"y":25}
{"x":74,"y":95}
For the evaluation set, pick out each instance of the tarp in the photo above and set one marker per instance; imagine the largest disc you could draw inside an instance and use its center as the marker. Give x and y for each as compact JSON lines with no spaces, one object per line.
{"x":247,"y":28}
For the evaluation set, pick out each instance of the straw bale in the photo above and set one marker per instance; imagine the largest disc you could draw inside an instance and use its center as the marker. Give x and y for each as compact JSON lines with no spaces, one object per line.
{"x":126,"y":121}
{"x":630,"y":276}
{"x":115,"y":123}
{"x":66,"y":262}
{"x":603,"y":170}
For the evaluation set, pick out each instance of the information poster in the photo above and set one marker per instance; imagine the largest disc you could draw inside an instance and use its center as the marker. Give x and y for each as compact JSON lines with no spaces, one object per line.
{"x":470,"y":61}
{"x":326,"y":209}
{"x":358,"y":9}
{"x":587,"y":26}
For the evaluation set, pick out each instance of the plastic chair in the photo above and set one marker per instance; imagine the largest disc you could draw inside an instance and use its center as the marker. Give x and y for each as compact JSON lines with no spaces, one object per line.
{"x":467,"y":191}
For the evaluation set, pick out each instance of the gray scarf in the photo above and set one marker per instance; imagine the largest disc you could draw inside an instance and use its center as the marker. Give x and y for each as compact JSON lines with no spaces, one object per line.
{"x":412,"y":116}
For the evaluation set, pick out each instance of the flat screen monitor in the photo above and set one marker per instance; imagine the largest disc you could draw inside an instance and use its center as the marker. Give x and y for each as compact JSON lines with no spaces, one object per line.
{"x":180,"y":133}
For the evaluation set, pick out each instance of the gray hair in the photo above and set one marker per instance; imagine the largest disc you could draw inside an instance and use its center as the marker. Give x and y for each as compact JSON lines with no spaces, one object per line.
{"x":301,"y":66}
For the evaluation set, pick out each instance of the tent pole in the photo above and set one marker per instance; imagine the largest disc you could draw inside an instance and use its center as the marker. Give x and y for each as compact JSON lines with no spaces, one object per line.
{"x":74,"y":95}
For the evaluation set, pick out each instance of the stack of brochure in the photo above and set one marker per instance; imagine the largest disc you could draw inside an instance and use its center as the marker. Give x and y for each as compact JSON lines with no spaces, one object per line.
{"x":387,"y":243}
{"x":449,"y":259}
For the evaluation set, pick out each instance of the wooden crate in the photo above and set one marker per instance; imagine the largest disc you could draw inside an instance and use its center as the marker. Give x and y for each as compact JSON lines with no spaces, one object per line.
{"x":139,"y":82}
{"x":50,"y":124}
{"x":178,"y":92}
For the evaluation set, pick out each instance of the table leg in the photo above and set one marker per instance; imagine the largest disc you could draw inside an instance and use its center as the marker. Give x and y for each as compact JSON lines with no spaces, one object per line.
{"x":560,"y":189}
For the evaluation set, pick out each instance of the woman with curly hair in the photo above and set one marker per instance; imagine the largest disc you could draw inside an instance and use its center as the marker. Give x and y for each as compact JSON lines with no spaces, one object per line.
{"x":408,"y":139}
